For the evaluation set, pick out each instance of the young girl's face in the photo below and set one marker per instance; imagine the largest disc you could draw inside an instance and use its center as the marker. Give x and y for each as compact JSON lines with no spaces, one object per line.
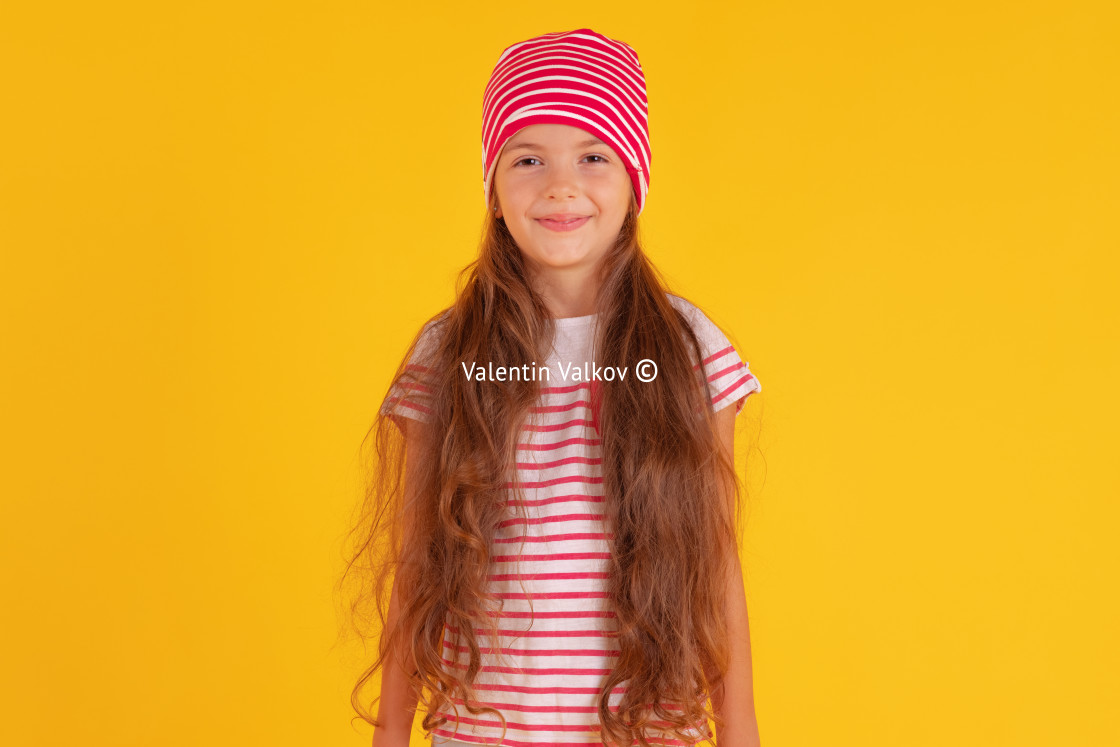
{"x":551,"y":173}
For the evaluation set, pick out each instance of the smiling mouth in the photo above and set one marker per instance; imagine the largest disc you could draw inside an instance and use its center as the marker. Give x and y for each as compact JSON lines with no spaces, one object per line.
{"x":563,"y":225}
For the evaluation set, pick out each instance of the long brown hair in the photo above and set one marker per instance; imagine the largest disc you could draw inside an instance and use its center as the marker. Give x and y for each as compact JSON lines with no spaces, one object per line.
{"x":671,"y":495}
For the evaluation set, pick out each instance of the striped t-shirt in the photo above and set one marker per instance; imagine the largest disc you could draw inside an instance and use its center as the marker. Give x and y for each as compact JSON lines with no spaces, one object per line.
{"x":562,"y":648}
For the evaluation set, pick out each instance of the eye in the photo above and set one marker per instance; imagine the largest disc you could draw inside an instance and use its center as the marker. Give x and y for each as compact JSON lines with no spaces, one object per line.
{"x":523,"y":160}
{"x":602,"y":159}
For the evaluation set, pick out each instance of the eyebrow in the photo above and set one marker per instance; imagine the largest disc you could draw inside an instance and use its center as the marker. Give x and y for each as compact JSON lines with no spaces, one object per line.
{"x":534,"y":146}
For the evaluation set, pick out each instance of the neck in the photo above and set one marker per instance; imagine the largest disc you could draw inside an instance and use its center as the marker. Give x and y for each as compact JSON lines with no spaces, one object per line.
{"x":569,"y":292}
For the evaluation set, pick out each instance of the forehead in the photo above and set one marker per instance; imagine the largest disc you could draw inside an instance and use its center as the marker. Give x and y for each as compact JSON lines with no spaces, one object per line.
{"x":540,"y":136}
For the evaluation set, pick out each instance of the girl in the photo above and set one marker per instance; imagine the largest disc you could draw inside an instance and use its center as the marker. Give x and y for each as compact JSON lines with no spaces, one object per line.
{"x":563,"y":541}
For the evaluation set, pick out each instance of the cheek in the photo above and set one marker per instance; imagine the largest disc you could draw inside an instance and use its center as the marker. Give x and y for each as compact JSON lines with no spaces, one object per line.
{"x":623,"y":193}
{"x":620,"y":183}
{"x":609,"y":188}
{"x":508,"y":180}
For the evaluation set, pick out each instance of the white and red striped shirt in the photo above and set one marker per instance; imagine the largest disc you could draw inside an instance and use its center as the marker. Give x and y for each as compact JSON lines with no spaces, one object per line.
{"x":559,"y":650}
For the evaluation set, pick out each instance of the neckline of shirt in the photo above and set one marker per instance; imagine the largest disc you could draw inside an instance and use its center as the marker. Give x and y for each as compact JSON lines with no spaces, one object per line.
{"x":575,"y":321}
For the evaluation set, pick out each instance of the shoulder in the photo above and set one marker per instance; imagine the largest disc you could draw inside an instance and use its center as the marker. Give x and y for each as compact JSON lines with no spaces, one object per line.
{"x":728,"y":374}
{"x":410,"y":394}
{"x":708,"y":332}
{"x":683,"y":304}
{"x":430,"y":334}
{"x":436,"y":323}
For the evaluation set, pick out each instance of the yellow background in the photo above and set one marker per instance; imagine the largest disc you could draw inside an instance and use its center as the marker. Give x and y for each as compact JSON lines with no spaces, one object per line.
{"x":220,"y":224}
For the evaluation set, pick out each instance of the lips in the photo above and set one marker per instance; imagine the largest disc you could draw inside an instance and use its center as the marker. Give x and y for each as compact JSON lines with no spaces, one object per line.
{"x":563,"y":222}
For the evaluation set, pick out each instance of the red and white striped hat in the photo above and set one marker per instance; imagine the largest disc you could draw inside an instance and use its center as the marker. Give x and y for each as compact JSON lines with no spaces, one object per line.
{"x":579,"y":78}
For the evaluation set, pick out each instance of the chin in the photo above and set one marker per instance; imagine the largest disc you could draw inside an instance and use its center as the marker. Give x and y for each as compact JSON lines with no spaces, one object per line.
{"x":556,"y":265}
{"x":558,"y":258}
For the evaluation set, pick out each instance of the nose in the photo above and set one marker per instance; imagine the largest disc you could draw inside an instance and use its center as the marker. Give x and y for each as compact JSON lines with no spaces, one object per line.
{"x":562,"y":182}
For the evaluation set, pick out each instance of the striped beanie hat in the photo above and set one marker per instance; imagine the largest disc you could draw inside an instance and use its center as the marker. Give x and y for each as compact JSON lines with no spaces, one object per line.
{"x":579,"y":78}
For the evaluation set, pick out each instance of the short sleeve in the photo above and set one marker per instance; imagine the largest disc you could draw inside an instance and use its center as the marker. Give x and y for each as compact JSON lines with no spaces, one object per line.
{"x":411,"y":395}
{"x":729,"y":376}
